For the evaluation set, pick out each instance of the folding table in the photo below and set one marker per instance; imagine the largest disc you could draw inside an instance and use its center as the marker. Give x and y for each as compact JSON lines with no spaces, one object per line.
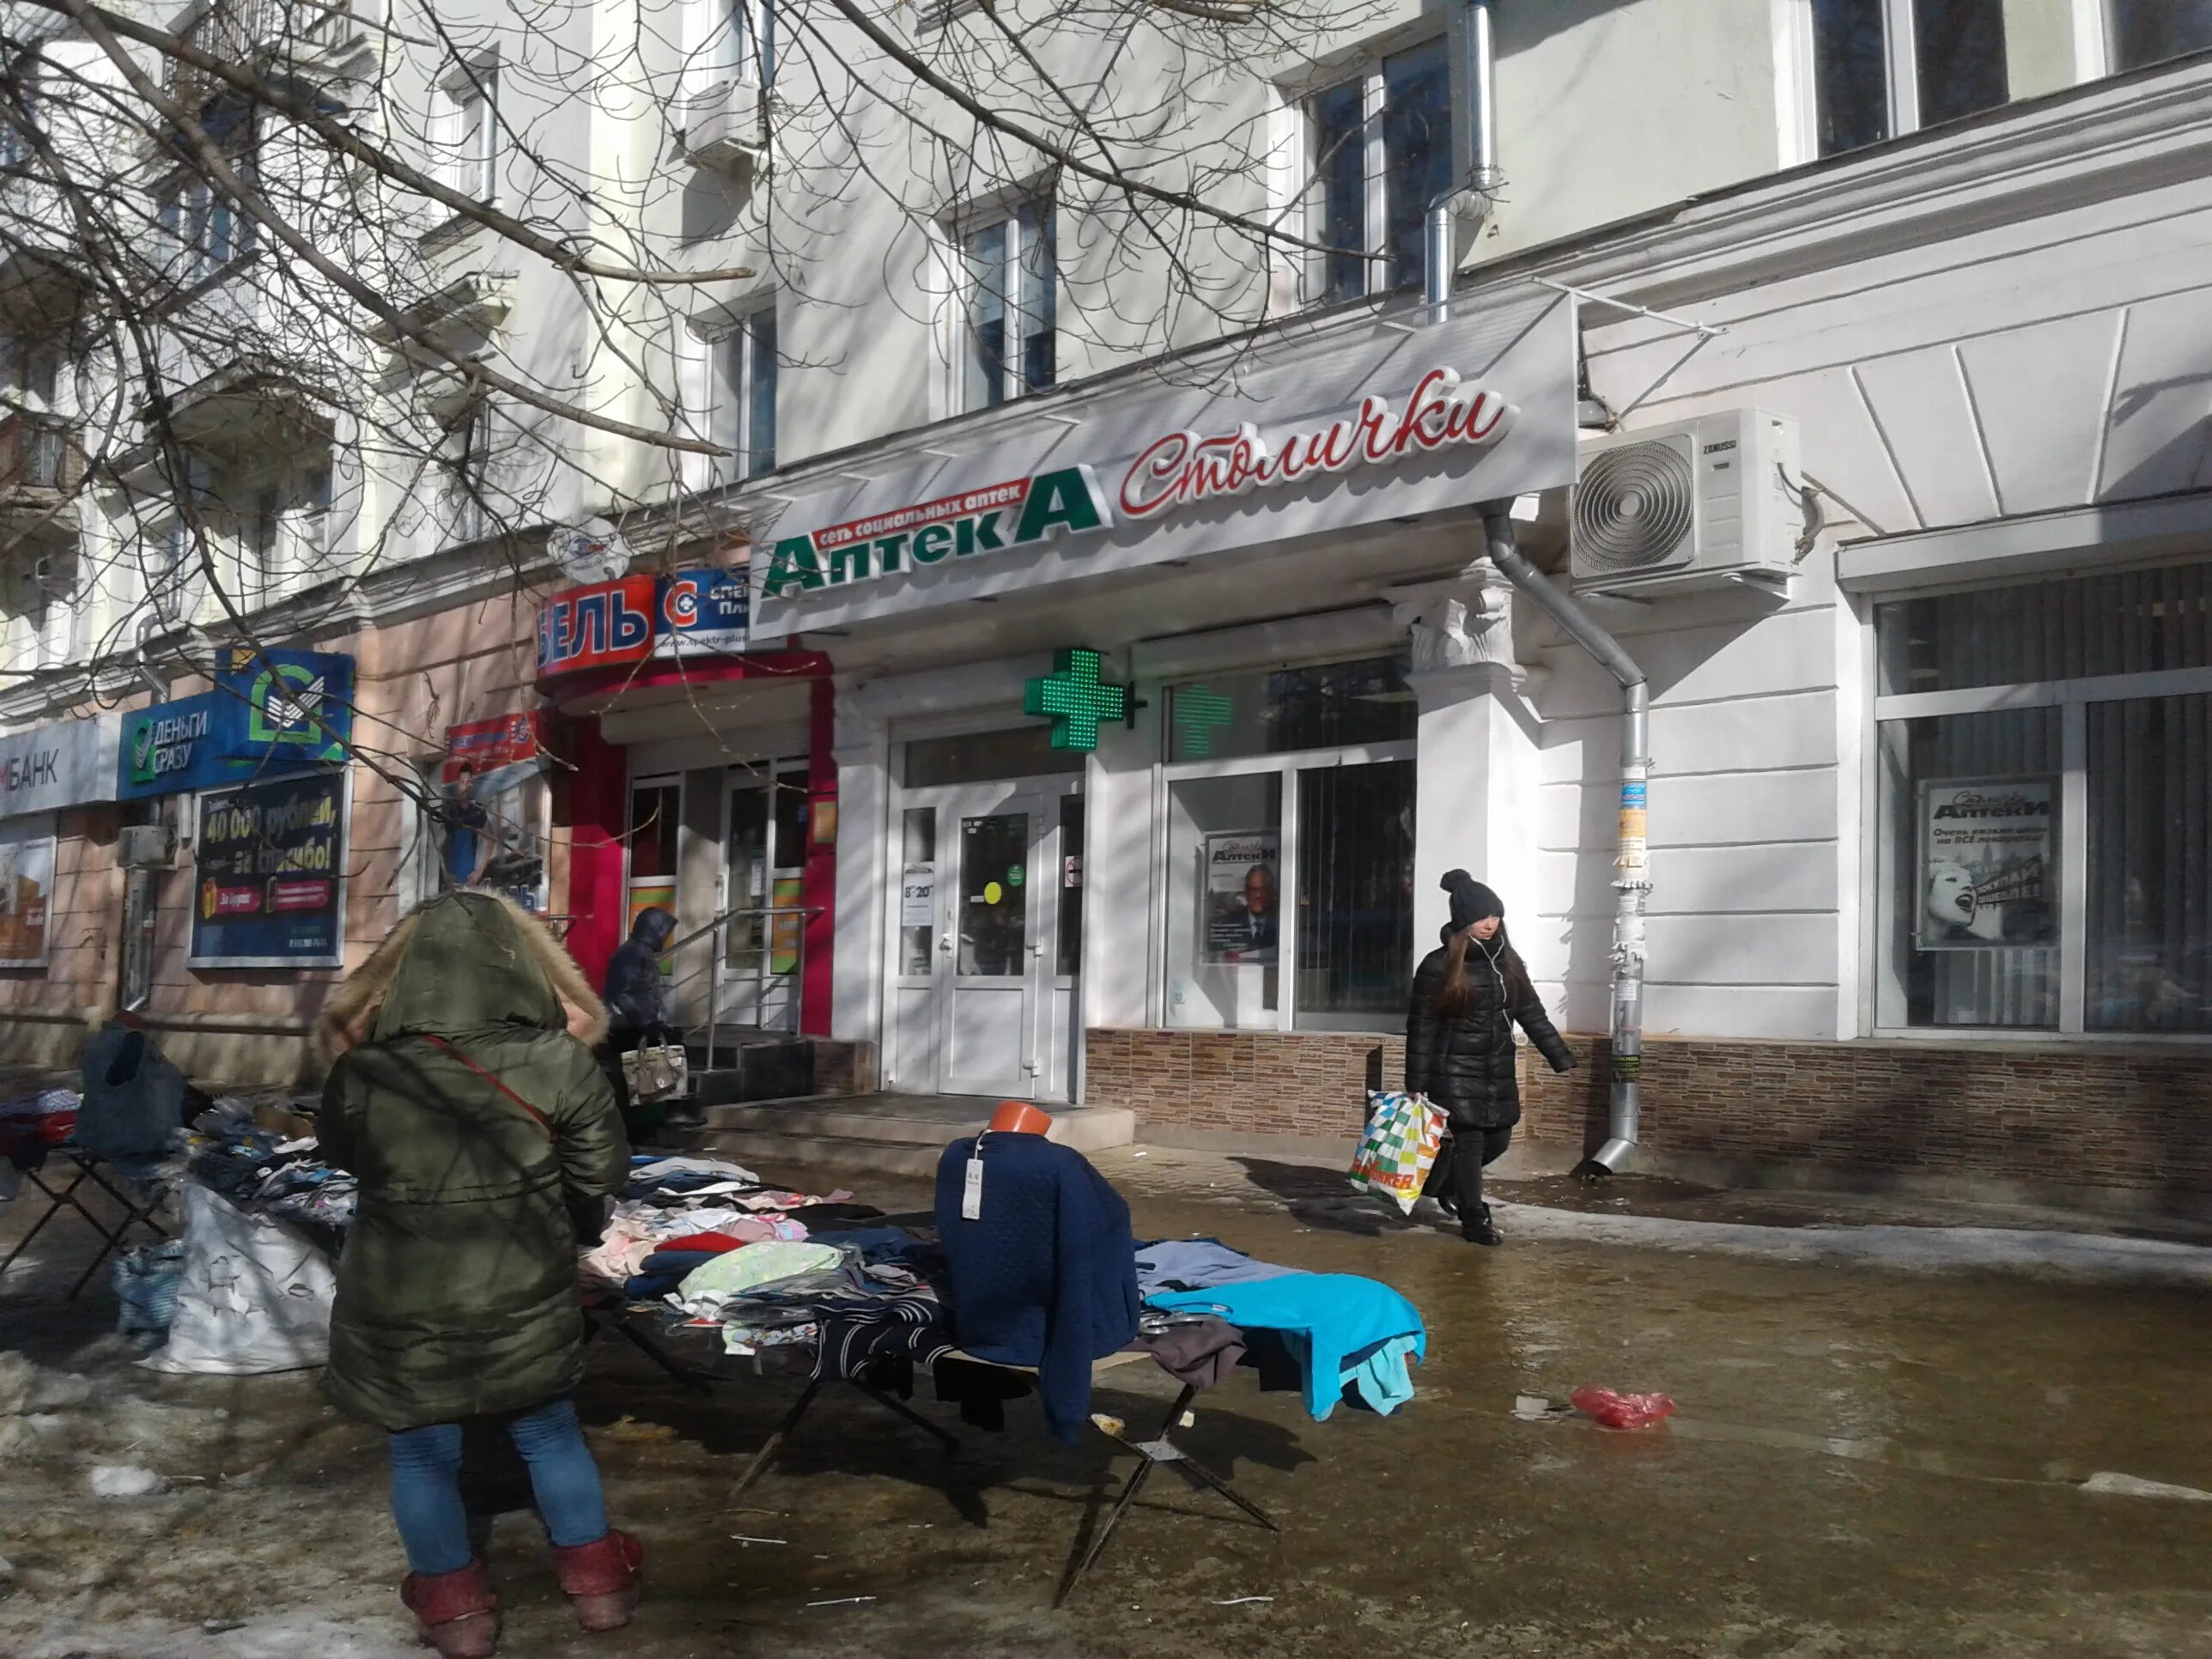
{"x":1160,"y":1449}
{"x":137,"y":1211}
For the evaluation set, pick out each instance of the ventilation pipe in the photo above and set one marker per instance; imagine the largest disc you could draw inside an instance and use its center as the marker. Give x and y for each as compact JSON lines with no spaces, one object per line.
{"x":148,"y":625}
{"x":1632,"y":876}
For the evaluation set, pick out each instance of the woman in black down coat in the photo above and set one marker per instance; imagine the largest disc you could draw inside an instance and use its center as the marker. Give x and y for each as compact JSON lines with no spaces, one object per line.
{"x":1459,"y":1043}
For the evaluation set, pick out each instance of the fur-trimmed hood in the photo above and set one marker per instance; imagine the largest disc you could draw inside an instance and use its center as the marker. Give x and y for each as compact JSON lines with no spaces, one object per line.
{"x":483,"y":947}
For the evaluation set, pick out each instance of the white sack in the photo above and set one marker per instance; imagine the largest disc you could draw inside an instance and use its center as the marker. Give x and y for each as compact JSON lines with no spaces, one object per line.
{"x":255,"y":1294}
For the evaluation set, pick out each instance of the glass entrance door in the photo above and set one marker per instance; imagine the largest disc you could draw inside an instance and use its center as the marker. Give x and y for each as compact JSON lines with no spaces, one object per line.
{"x":764,"y":880}
{"x":982,"y":978}
{"x":989,"y":1039}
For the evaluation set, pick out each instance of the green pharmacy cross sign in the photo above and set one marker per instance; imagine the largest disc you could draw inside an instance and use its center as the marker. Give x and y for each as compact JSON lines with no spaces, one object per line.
{"x":1071,"y":695}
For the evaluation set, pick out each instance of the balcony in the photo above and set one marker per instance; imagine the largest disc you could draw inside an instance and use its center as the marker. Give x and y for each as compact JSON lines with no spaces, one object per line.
{"x":281,"y":37}
{"x":41,"y":464}
{"x":726,"y":127}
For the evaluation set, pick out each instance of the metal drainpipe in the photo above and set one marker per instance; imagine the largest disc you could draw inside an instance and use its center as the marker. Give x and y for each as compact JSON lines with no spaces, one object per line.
{"x":1631,"y":880}
{"x":1631,"y":876}
{"x":152,"y":681}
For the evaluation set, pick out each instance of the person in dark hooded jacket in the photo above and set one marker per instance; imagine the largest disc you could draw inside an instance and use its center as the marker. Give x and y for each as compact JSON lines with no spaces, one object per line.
{"x":1468,"y":995}
{"x":637,"y":1010}
{"x":462,"y":1095}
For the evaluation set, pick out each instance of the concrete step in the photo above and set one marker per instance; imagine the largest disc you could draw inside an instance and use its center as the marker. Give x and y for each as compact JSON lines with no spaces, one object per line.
{"x":899,"y":1135}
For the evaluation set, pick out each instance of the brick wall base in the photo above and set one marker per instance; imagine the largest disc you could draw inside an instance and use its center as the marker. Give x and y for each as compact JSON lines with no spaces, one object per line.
{"x":2130,"y":1128}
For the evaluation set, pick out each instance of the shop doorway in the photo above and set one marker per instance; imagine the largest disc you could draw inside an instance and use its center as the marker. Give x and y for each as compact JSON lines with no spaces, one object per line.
{"x":987,"y":939}
{"x":764,"y":885}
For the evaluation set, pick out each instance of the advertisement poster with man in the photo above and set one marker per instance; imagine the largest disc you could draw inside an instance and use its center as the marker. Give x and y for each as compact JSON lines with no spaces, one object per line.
{"x":272,"y":890}
{"x":1988,"y":864}
{"x":491,"y":796}
{"x":1238,"y":900}
{"x":27,"y":890}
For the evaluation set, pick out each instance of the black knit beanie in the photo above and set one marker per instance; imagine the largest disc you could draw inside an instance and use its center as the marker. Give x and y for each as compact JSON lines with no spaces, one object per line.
{"x":1470,"y":900}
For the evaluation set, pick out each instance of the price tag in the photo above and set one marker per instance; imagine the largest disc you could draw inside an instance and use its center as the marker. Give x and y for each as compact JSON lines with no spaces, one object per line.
{"x":971,"y":1194}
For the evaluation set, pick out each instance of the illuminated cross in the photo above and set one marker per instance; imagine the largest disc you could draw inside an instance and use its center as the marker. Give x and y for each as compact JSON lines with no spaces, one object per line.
{"x":1198,"y":710}
{"x":1074,"y":699}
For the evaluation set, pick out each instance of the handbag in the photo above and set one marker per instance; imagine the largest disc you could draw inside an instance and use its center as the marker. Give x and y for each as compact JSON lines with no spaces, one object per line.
{"x":1399,"y":1147}
{"x":656,"y":1071}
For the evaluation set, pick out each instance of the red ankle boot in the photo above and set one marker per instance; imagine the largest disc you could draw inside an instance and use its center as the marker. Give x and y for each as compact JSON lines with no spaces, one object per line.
{"x":455,"y":1613}
{"x":601,"y":1580}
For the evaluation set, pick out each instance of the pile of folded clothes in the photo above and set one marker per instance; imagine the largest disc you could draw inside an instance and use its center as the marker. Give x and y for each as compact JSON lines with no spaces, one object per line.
{"x":269,"y":1172}
{"x":677,"y":1212}
{"x":30,"y":1127}
{"x":1326,"y":1333}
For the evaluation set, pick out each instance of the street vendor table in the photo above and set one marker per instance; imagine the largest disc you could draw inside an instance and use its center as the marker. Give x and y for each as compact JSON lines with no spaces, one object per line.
{"x":1151,"y":1454}
{"x":137,"y":1211}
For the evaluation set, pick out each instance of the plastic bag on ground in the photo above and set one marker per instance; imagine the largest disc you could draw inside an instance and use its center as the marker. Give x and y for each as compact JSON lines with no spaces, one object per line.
{"x":254,"y":1296}
{"x":1623,"y":1411}
{"x":1398,"y":1148}
{"x":145,"y":1284}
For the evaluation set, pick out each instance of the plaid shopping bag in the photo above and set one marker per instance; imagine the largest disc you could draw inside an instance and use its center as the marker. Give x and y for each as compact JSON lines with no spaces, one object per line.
{"x":1399,"y":1147}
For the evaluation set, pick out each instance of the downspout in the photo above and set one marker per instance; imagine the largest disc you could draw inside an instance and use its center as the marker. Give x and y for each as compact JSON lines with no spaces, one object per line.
{"x":1631,"y":874}
{"x":152,"y":681}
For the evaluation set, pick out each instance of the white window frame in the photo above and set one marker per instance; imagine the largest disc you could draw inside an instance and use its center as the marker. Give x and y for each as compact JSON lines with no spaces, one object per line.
{"x":469,"y":131}
{"x":1006,"y":210}
{"x":2073,"y":698}
{"x":188,"y":209}
{"x":732,"y":377}
{"x":1368,"y":73}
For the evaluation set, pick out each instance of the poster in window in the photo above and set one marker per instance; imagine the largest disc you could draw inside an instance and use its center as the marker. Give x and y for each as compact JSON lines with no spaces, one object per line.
{"x":26,"y":890}
{"x":1240,"y":879}
{"x":271,"y":889}
{"x":1988,"y":864}
{"x":490,"y":808}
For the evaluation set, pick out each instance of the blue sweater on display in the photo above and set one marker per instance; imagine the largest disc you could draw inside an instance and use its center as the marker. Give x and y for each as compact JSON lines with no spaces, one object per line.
{"x":1046,"y":1275}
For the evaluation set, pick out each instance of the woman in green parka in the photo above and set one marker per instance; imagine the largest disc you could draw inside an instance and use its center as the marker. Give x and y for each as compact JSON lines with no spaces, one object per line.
{"x":464,"y":1096}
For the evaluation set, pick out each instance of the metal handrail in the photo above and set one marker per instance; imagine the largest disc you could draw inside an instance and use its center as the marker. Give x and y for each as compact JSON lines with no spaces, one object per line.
{"x":717,"y":930}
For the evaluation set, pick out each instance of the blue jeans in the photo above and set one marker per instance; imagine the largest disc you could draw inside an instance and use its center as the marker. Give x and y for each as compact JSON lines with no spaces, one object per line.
{"x":426,"y":1485}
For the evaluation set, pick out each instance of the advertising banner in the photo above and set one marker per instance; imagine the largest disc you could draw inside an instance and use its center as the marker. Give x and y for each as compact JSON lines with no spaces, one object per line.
{"x":27,"y":890}
{"x":1239,"y":882}
{"x":1988,"y":853}
{"x":71,"y":763}
{"x":271,"y":889}
{"x":692,"y":613}
{"x":271,"y":713}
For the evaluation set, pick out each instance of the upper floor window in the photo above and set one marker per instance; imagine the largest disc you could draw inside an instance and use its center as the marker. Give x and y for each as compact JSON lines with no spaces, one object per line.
{"x":469,"y":142}
{"x":1380,"y":154}
{"x":202,"y":232}
{"x":744,"y":394}
{"x":2152,"y":31}
{"x":742,"y":47}
{"x":1885,"y":68}
{"x":1013,"y":278}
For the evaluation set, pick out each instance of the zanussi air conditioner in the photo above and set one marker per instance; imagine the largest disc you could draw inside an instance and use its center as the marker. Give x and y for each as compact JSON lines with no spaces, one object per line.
{"x":1702,"y":504}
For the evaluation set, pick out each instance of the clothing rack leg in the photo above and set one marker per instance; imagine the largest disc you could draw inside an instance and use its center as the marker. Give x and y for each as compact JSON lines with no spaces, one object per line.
{"x":893,"y":1403}
{"x":659,"y":1355}
{"x":56,"y":1202}
{"x":774,"y":1443}
{"x":1138,"y":1476}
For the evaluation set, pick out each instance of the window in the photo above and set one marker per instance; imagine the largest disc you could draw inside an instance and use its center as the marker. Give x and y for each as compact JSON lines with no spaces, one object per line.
{"x":745,"y":394}
{"x":487,"y":828}
{"x":200,"y":233}
{"x":466,"y":461}
{"x":1290,"y":845}
{"x":1013,"y":280}
{"x":2045,"y":775}
{"x":1269,"y":712}
{"x":1070,"y":885}
{"x":1019,"y":752}
{"x":2152,"y":31}
{"x":1381,"y":153}
{"x":469,"y":142}
{"x":744,"y":47}
{"x":1885,"y":68}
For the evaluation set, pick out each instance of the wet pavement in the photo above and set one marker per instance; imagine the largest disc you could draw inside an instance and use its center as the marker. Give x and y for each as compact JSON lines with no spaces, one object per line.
{"x":1868,"y":1460}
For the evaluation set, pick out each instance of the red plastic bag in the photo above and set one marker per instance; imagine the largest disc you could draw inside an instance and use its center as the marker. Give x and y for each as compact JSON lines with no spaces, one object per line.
{"x":1623,"y":1411}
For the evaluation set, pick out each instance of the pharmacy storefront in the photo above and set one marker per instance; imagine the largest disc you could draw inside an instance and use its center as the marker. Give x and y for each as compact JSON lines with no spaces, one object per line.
{"x":1135,"y":687}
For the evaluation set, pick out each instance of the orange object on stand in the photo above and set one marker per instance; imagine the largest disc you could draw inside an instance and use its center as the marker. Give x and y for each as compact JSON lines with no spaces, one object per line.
{"x":1018,"y":1117}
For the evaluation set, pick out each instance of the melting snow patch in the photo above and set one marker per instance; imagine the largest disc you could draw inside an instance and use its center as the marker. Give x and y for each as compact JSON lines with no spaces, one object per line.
{"x":2133,"y":1485}
{"x":1911,"y":1250}
{"x":122,"y":1480}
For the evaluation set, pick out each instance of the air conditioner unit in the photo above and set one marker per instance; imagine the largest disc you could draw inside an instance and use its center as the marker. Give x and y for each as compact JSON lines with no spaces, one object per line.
{"x":1700,"y":505}
{"x":726,"y":127}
